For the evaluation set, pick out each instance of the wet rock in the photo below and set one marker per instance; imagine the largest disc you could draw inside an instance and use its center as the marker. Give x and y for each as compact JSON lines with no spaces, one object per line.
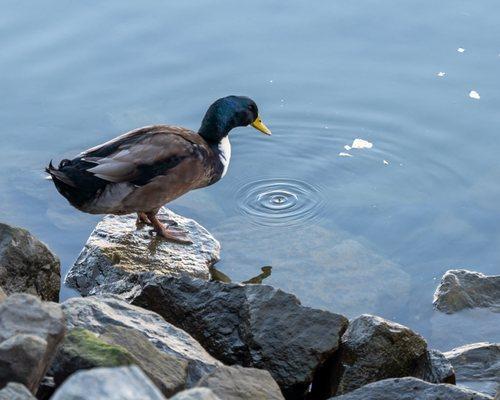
{"x":122,"y":383}
{"x":238,"y":383}
{"x":460,"y":288}
{"x":3,"y":295}
{"x":30,"y":331}
{"x":374,"y":349}
{"x":250,"y":325}
{"x":196,"y":394}
{"x":27,"y":265}
{"x":411,"y":389}
{"x":16,"y":391}
{"x":477,"y":366}
{"x":117,"y":248}
{"x":115,"y":321}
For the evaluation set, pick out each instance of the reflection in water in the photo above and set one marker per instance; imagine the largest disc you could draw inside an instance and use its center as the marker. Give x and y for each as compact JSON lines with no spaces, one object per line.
{"x":220,"y":276}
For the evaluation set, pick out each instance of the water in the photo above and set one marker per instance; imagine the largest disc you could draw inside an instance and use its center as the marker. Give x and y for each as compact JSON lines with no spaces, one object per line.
{"x":349,"y":234}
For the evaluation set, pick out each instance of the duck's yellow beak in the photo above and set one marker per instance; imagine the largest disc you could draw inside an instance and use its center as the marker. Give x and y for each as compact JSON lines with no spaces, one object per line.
{"x":259,"y":125}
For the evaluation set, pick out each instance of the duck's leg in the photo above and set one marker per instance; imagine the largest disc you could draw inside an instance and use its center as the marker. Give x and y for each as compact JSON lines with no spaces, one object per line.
{"x":142,"y":218}
{"x":168,"y":234}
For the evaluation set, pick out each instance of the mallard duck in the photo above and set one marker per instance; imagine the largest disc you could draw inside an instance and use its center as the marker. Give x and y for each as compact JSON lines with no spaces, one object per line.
{"x":142,"y":170}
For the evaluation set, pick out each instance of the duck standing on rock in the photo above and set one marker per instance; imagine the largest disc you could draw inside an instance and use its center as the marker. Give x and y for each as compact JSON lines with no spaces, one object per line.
{"x":142,"y":170}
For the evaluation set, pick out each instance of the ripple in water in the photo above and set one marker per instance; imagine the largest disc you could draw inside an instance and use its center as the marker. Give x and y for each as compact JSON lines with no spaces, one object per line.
{"x":279,"y":202}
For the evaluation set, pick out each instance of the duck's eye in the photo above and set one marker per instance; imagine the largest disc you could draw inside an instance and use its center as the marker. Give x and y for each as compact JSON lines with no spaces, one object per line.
{"x":252,"y":108}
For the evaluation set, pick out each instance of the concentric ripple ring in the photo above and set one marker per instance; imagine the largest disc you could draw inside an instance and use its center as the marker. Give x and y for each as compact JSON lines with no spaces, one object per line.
{"x":279,"y":201}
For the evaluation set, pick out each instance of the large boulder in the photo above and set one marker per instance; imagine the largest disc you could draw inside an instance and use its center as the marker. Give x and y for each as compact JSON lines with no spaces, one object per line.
{"x":251,"y":325}
{"x":122,"y":383}
{"x":460,"y":288}
{"x":238,"y":383}
{"x":477,"y":366}
{"x":117,"y":248}
{"x":27,"y":265}
{"x":411,"y":389}
{"x":30,"y":331}
{"x":16,"y":391}
{"x":128,"y":326}
{"x":374,"y":348}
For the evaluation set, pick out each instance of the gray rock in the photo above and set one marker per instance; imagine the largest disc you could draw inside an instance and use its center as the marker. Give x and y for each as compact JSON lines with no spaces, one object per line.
{"x":27,"y":265}
{"x":30,"y":331}
{"x":477,"y":366}
{"x":250,"y":325}
{"x":117,"y":248}
{"x":122,"y":383}
{"x":434,"y":367}
{"x":119,"y":346}
{"x":411,"y":389}
{"x":374,"y":349}
{"x":461,"y":289}
{"x":16,"y":391}
{"x":196,"y":394}
{"x":238,"y":383}
{"x":107,"y":315}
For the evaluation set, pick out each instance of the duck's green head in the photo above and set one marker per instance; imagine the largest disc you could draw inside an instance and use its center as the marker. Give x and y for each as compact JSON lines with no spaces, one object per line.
{"x":228,"y":113}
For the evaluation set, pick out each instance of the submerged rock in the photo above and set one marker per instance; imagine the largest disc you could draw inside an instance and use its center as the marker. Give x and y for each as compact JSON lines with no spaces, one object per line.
{"x":16,"y":391}
{"x":238,"y":383}
{"x":373,"y":349}
{"x":122,"y":383}
{"x":411,"y":389}
{"x":117,"y":248}
{"x":196,"y":394}
{"x":30,"y":331}
{"x":477,"y":366}
{"x":250,"y":325}
{"x":122,"y":324}
{"x":27,"y":265}
{"x":460,"y":288}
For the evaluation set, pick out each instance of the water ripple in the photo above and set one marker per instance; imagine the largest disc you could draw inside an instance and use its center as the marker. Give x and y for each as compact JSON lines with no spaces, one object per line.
{"x":279,"y":201}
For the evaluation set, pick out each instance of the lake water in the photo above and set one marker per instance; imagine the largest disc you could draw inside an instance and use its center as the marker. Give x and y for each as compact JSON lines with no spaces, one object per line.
{"x":371,"y":233}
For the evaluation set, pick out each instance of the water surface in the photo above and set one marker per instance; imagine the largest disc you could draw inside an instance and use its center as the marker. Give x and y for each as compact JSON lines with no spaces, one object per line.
{"x":349,"y":234}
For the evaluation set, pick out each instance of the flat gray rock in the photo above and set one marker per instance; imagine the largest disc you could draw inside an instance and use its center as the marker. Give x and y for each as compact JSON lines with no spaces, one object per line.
{"x":117,"y":248}
{"x":30,"y":331}
{"x":460,"y":288}
{"x":196,"y":394}
{"x":238,"y":383}
{"x":16,"y":391}
{"x":251,"y":325}
{"x":122,"y":383}
{"x":110,"y":316}
{"x":411,"y":389}
{"x":374,"y":348}
{"x":27,"y":265}
{"x":477,"y":366}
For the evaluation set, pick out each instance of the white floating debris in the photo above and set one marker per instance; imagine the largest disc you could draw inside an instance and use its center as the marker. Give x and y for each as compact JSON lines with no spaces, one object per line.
{"x":347,"y":147}
{"x":460,"y":49}
{"x":270,"y":81}
{"x":342,"y":154}
{"x":441,"y":74}
{"x":386,"y":162}
{"x":474,"y":95}
{"x":361,"y":144}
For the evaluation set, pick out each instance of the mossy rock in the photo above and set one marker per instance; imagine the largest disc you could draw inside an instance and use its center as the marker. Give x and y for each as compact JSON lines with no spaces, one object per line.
{"x":82,"y":349}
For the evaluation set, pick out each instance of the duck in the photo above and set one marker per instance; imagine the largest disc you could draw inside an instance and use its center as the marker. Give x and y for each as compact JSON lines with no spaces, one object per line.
{"x":142,"y":170}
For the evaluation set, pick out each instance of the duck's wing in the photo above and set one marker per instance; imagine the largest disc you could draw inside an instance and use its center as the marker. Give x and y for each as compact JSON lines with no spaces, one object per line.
{"x":140,"y":155}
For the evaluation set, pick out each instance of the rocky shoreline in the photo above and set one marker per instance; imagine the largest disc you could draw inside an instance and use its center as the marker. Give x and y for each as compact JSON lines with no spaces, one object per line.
{"x":152,"y":325}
